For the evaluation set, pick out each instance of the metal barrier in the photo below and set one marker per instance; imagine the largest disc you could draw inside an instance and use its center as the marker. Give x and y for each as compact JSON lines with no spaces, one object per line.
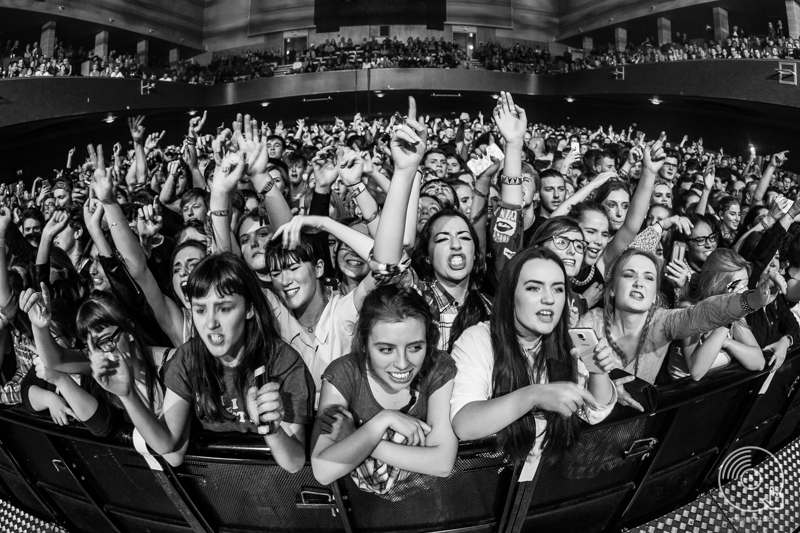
{"x":631,"y":468}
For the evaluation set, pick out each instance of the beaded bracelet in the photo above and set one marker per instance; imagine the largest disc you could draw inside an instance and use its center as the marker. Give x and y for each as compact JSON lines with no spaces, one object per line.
{"x":510,"y":180}
{"x":744,"y":303}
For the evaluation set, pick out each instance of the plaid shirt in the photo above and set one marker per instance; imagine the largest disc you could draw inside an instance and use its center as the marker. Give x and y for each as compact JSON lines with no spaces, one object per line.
{"x":10,"y":393}
{"x":445,"y":310}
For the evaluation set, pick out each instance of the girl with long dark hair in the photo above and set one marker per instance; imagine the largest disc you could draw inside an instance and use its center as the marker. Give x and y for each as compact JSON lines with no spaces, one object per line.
{"x":214,"y":373}
{"x":387,"y":401}
{"x":450,"y":264}
{"x":516,"y":376}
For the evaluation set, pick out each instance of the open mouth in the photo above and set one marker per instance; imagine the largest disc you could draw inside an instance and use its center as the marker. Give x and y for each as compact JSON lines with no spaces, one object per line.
{"x":636,"y":295}
{"x":400,"y":377}
{"x":545,"y":315}
{"x":215,"y":339}
{"x":568,"y":262}
{"x":289,"y":293}
{"x":457,"y":261}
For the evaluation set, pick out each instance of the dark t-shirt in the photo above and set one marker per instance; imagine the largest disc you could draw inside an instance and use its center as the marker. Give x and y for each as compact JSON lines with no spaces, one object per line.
{"x":343,"y":373}
{"x":285,"y":367}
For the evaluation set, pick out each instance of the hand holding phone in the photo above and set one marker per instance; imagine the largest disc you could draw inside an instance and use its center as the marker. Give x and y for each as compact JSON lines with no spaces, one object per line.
{"x":584,"y":340}
{"x":679,"y":251}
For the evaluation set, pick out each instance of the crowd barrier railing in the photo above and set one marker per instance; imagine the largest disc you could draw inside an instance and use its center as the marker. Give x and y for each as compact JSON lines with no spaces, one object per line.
{"x":627,"y":470}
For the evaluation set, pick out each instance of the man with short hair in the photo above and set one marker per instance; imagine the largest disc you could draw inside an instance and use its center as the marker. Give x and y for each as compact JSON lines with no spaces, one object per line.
{"x":62,"y":192}
{"x":436,"y":160}
{"x":669,"y":170}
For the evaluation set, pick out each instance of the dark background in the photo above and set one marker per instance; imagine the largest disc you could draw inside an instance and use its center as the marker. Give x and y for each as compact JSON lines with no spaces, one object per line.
{"x":329,"y":15}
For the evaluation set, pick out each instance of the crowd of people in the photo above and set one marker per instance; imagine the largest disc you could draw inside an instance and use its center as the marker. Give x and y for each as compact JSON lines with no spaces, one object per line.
{"x":227,"y":67}
{"x":336,"y":284}
{"x":65,"y":61}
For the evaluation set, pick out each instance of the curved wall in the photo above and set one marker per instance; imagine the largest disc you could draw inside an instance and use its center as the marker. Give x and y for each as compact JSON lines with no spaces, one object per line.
{"x":178,"y":21}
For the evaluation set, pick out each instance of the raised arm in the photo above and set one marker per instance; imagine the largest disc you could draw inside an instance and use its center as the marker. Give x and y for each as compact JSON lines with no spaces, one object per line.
{"x":195,"y":127}
{"x":169,"y":315}
{"x":775,"y":162}
{"x":653,"y":161}
{"x":137,"y":134}
{"x":583,"y":193}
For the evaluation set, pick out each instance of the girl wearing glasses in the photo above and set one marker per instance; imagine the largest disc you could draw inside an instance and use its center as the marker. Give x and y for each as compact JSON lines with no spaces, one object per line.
{"x":212,"y":375}
{"x":702,"y":240}
{"x":724,"y":272}
{"x":639,"y":332}
{"x":103,"y":325}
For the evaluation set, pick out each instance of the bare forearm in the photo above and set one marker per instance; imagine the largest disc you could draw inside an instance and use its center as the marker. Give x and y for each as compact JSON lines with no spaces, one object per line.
{"x":83,"y":404}
{"x":481,"y":418}
{"x":512,"y":166}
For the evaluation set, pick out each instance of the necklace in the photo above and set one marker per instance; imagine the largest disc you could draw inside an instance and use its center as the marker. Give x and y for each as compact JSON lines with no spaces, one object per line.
{"x":577,"y":283}
{"x":313,"y":326}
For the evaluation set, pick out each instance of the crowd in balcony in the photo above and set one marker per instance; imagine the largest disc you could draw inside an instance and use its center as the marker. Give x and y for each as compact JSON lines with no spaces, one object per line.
{"x":739,"y":44}
{"x":337,"y":284}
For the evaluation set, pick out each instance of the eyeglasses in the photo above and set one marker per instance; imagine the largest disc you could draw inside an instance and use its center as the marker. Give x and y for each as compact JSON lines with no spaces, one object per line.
{"x":702,"y":241}
{"x":671,"y":165}
{"x":109,"y":342}
{"x":562,"y":243}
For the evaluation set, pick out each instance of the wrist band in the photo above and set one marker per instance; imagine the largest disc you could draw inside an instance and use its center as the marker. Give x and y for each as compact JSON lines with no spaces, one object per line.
{"x":510,"y":180}
{"x":358,"y":188}
{"x":744,"y":303}
{"x":191,"y":141}
{"x":477,"y":192}
{"x":268,"y":186}
{"x":220,"y":213}
{"x":791,"y":339}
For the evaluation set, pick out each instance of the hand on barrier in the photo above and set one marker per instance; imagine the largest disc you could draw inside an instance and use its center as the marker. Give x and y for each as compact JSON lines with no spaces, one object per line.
{"x":59,"y":410}
{"x":778,"y":350}
{"x":337,"y":422}
{"x":412,"y":428}
{"x":264,"y":405}
{"x":623,"y":397}
{"x":563,"y":398}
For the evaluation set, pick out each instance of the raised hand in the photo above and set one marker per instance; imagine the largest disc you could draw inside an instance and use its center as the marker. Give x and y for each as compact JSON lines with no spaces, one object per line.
{"x":409,"y":141}
{"x":152,"y":141}
{"x":137,"y":129}
{"x":779,"y":159}
{"x":196,"y":124}
{"x":93,"y":212}
{"x":229,"y":173}
{"x":37,"y":306}
{"x":510,"y":118}
{"x":149,"y":220}
{"x":654,"y":156}
{"x":102,"y":181}
{"x":678,"y":273}
{"x":111,"y":370}
{"x":351,"y":166}
{"x":58,"y":221}
{"x":290,"y":232}
{"x":324,"y":167}
{"x":778,"y":206}
{"x":5,"y":219}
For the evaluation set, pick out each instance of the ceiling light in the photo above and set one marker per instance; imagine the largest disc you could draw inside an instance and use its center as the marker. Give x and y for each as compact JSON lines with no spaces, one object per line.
{"x":192,"y":112}
{"x":264,"y":104}
{"x":655,"y":100}
{"x":570,"y":99}
{"x":109,"y":119}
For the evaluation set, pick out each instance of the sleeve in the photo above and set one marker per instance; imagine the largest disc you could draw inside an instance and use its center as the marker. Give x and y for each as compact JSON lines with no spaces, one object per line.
{"x":296,"y":385}
{"x":177,"y":376}
{"x":343,"y":374}
{"x":19,"y":246}
{"x":704,"y":316}
{"x":474,"y":361}
{"x":647,"y":239}
{"x":443,"y":371}
{"x":106,"y":419}
{"x":764,"y":251}
{"x":29,"y":381}
{"x":787,"y":323}
{"x":506,"y":236}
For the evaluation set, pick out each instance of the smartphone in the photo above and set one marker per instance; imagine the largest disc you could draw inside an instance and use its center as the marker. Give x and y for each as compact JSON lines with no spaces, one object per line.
{"x":585,"y":340}
{"x":575,"y":146}
{"x":262,"y":379}
{"x":678,"y":251}
{"x":752,"y":150}
{"x":495,"y":151}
